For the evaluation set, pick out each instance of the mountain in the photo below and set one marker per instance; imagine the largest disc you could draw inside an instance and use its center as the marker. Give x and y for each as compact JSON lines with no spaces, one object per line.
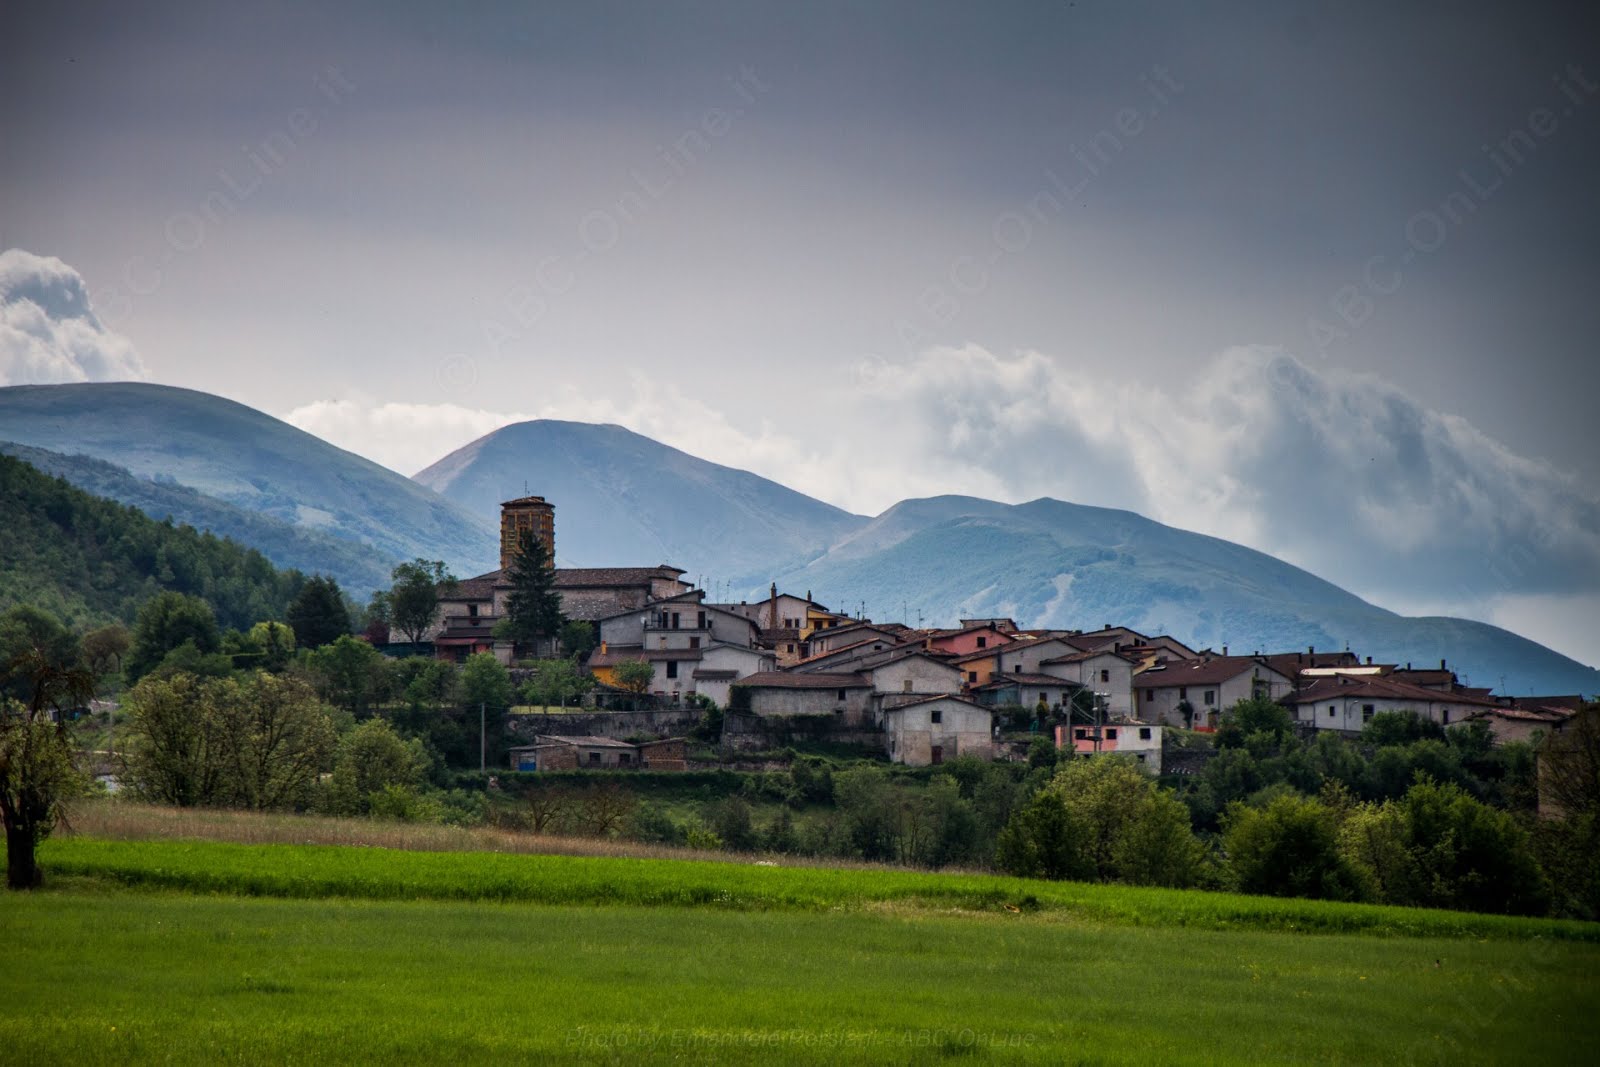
{"x":1050,"y":563}
{"x":90,"y":561}
{"x":250,"y":460}
{"x":357,"y":567}
{"x":624,"y":499}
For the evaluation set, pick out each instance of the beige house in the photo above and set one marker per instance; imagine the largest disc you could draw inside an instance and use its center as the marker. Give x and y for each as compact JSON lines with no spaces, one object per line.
{"x":938,"y":728}
{"x":1208,"y":686}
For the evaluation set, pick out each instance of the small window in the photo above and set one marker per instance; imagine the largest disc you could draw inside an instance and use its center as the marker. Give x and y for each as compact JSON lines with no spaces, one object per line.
{"x":1105,"y":676}
{"x":594,"y":757}
{"x":1141,"y":757}
{"x":972,"y":676}
{"x":1081,"y":734}
{"x":791,"y":648}
{"x":674,"y":620}
{"x":694,"y":642}
{"x":701,"y":621}
{"x":623,"y":758}
{"x":1447,"y":716}
{"x":1366,"y":712}
{"x":905,"y":686}
{"x":1144,"y":735}
{"x":1016,"y":668}
{"x":841,"y":695}
{"x":983,"y":642}
{"x":1330,"y":711}
{"x":1211,"y":697}
{"x":672,"y":668}
{"x":937,"y":717}
{"x":1111,"y":734}
{"x":1183,"y":692}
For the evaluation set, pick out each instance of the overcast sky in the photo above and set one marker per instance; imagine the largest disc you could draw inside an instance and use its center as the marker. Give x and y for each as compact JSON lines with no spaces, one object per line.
{"x":1321,"y":279}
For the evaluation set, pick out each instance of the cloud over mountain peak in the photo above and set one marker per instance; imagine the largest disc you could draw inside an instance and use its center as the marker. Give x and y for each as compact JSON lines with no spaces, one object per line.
{"x":49,"y":331}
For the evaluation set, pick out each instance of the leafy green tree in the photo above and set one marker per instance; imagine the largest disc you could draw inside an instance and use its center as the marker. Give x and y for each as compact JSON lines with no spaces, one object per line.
{"x":1042,"y":752}
{"x":1290,"y":849}
{"x":1469,"y":855}
{"x":1265,"y":721}
{"x":1102,"y":819}
{"x":729,"y":819}
{"x":578,"y":639}
{"x":557,"y":681}
{"x":533,"y":607}
{"x":170,"y":754}
{"x":165,"y":622}
{"x":318,"y":615}
{"x":104,"y":648}
{"x":1387,"y":728}
{"x":37,"y":770}
{"x":634,"y":676}
{"x":414,"y":597}
{"x":270,"y":646}
{"x":257,"y":741}
{"x":350,"y":674}
{"x":1569,"y":767}
{"x":371,"y":758}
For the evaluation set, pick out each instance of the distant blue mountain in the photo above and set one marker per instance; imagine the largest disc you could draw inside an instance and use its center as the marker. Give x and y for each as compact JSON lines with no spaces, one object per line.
{"x":1049,"y":563}
{"x":624,"y":499}
{"x":249,"y":460}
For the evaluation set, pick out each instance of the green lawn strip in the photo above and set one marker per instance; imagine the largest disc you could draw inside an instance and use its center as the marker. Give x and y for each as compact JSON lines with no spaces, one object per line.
{"x":313,"y":871}
{"x":119,"y":977}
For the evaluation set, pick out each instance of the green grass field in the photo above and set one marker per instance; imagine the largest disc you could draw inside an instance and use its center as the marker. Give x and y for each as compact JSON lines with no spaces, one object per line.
{"x":202,"y":952}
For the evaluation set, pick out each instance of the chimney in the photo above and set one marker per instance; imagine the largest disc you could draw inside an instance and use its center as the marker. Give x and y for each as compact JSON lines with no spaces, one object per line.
{"x":1311,"y":651}
{"x":1224,"y":650}
{"x":1442,"y":667}
{"x":1369,"y":661}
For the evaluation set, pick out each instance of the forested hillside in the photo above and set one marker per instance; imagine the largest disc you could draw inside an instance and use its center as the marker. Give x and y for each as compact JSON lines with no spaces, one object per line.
{"x":357,"y":567}
{"x":90,"y":561}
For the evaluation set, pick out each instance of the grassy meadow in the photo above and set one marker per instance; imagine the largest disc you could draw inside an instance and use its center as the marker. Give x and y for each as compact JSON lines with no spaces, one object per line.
{"x":185,"y":950}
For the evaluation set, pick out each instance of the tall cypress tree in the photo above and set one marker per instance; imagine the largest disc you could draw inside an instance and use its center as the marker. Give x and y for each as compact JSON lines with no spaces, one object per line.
{"x":533,"y":610}
{"x":318,"y":615}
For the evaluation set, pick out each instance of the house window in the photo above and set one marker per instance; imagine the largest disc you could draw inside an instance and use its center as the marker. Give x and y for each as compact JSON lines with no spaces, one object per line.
{"x":672,"y":668}
{"x":1183,"y":692}
{"x":841,"y":695}
{"x":1141,"y":757}
{"x":1105,"y":676}
{"x":1016,"y":669}
{"x":1330,"y":711}
{"x":1144,"y":735}
{"x":623,"y":758}
{"x":791,"y":648}
{"x":937,"y":717}
{"x":694,"y":642}
{"x":594,"y":757}
{"x":1080,"y":733}
{"x":972,"y":677}
{"x":1111,"y":734}
{"x":1211,"y":697}
{"x":674,"y":620}
{"x":700,"y":621}
{"x":983,"y":642}
{"x":472,"y":611}
{"x":1447,"y":716}
{"x":905,"y":686}
{"x":1366,"y":712}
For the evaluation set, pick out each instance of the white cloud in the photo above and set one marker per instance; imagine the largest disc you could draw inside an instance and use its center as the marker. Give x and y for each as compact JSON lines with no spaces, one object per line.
{"x":48,"y":330}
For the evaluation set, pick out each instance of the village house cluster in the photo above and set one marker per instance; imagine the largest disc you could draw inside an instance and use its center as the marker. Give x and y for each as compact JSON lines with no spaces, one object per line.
{"x":929,"y":695}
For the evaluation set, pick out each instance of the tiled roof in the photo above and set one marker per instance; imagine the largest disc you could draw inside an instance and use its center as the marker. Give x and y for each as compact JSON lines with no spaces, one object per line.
{"x":701,"y":674}
{"x":588,"y":577}
{"x":586,"y":740}
{"x":1551,"y":715}
{"x":615,"y":654}
{"x":681,"y":655}
{"x":1084,"y":657}
{"x":1003,"y":680}
{"x":1382,"y":689}
{"x":800,"y":680}
{"x":937,"y":696}
{"x":1199,"y":672}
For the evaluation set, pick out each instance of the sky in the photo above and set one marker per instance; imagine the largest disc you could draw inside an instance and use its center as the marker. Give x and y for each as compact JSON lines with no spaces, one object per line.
{"x":1320,"y":279}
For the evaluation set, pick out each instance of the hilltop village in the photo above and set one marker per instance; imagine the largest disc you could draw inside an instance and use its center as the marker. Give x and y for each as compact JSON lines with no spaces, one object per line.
{"x":923,"y":696}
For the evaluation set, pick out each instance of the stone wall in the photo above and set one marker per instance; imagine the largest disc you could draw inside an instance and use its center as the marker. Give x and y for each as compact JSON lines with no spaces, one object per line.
{"x":620,"y":725}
